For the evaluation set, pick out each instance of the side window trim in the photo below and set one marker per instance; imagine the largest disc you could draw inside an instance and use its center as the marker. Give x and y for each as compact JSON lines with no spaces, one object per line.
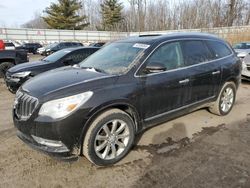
{"x":139,"y":69}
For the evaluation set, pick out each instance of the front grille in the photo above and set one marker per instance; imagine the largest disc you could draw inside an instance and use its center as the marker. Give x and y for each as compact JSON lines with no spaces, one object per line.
{"x":248,"y":68}
{"x":24,"y":105}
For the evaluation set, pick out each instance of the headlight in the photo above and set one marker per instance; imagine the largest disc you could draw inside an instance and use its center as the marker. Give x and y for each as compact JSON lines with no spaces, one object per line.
{"x":21,"y":74}
{"x":62,"y":107}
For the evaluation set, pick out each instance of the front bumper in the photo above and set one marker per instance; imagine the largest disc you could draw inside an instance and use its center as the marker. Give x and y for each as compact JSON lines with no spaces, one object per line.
{"x":14,"y":83}
{"x":57,"y":152}
{"x":245,"y":74}
{"x":244,"y":77}
{"x":59,"y":138}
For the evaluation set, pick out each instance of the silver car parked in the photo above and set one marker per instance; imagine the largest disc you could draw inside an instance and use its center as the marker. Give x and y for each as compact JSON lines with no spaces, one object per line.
{"x":245,"y":74}
{"x":242,"y":49}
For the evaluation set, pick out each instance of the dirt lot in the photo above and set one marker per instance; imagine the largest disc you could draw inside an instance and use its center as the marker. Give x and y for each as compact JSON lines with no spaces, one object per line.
{"x":196,"y":150}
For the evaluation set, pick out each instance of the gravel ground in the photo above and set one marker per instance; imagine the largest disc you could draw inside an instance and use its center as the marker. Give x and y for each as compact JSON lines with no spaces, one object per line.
{"x":196,"y":150}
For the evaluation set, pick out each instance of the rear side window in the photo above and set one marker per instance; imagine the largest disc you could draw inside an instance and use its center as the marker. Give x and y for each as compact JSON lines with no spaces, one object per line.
{"x":195,"y":52}
{"x":68,"y":44}
{"x":219,"y":49}
{"x":80,"y":55}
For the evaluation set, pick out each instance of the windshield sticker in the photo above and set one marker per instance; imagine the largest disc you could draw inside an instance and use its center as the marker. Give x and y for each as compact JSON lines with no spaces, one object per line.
{"x":139,"y":45}
{"x":67,"y":51}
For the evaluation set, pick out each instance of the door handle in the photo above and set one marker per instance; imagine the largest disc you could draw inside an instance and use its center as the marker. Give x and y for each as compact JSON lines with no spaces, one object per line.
{"x":184,"y":81}
{"x":215,"y":72}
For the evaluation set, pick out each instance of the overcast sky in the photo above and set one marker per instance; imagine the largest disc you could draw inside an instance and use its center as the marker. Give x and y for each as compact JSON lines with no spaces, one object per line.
{"x":14,"y":13}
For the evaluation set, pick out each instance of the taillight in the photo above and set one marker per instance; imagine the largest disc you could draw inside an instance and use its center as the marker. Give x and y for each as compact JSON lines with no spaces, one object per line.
{"x":2,"y":45}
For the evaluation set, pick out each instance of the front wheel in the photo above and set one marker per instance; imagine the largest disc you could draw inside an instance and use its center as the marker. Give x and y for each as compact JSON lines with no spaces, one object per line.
{"x":109,"y":137}
{"x":225,"y":101}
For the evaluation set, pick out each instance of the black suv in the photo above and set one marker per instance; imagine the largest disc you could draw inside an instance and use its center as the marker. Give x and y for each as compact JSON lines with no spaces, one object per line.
{"x":30,"y":47}
{"x":17,"y":75}
{"x":59,"y":46}
{"x":97,"y":108}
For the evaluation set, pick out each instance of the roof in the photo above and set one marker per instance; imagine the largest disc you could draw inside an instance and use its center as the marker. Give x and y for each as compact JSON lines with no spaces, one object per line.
{"x":80,"y":47}
{"x":155,"y":38}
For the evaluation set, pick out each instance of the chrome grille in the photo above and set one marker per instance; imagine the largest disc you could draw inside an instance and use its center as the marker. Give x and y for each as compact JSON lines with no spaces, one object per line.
{"x":24,"y":105}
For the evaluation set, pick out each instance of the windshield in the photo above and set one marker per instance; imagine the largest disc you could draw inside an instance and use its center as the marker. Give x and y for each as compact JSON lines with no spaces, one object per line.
{"x":114,"y":58}
{"x":50,"y":45}
{"x":241,"y":46}
{"x":56,"y":56}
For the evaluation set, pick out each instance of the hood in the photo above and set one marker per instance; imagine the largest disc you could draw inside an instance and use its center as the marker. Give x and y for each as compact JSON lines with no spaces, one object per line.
{"x":27,"y":66}
{"x":64,"y":78}
{"x":242,"y":54}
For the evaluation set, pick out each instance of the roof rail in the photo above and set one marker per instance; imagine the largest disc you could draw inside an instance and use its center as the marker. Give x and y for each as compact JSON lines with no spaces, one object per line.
{"x":150,"y":35}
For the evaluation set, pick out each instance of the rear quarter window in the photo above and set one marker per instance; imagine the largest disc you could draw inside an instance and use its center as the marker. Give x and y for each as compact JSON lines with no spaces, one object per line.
{"x":220,"y":50}
{"x":9,"y":44}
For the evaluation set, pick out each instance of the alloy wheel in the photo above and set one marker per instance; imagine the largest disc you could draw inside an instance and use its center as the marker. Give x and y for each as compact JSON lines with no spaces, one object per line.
{"x":112,"y":139}
{"x":227,"y":100}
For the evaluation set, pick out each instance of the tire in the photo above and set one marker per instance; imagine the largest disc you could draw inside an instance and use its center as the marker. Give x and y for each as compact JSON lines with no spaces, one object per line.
{"x":225,"y":101}
{"x":4,"y":67}
{"x":103,"y":148}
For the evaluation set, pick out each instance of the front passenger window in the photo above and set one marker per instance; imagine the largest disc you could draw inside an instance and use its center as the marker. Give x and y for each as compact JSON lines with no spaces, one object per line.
{"x":168,"y":55}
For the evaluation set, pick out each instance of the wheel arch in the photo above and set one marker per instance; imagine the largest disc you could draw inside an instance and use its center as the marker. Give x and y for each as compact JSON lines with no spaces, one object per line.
{"x":124,"y":106}
{"x":9,"y":60}
{"x":234,"y":80}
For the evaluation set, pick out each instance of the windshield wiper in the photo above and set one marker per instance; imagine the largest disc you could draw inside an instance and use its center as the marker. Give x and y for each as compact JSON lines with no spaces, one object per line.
{"x":96,"y":69}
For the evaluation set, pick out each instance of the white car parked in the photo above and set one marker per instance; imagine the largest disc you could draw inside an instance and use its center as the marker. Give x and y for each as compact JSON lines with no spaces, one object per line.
{"x":9,"y":46}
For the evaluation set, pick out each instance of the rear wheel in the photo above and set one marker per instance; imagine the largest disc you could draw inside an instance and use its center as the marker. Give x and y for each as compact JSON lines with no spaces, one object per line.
{"x":225,"y":101}
{"x":4,"y":67}
{"x":109,"y":137}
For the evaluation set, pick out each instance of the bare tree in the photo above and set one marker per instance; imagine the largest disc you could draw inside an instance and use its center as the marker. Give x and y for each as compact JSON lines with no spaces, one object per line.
{"x":37,"y":22}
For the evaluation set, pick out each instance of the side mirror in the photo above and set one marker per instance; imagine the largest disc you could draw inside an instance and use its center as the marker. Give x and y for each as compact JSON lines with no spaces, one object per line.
{"x":68,"y":61}
{"x":155,"y":68}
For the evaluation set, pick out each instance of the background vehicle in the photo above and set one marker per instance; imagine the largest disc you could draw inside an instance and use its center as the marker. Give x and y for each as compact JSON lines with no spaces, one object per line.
{"x":18,"y":74}
{"x":9,"y":58}
{"x":122,"y":89}
{"x":59,"y":46}
{"x":245,"y":75}
{"x":30,"y":47}
{"x":242,"y":49}
{"x":2,"y":46}
{"x":42,"y":50}
{"x":9,"y":46}
{"x":97,"y":44}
